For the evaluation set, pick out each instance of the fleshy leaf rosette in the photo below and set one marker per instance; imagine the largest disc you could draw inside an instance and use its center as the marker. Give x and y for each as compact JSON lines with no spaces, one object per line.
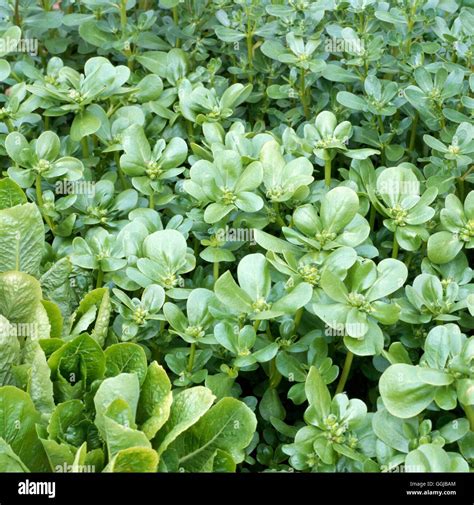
{"x":225,"y":185}
{"x":457,"y":223}
{"x":359,"y":302}
{"x":253,"y":296}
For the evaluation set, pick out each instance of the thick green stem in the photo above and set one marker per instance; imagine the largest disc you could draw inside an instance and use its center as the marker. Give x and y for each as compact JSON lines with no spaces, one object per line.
{"x":380,"y":123}
{"x":192,"y":355}
{"x":373,"y":213}
{"x":39,"y":199}
{"x":279,"y":219}
{"x":123,"y":16}
{"x":16,"y":15}
{"x":42,"y":53}
{"x":411,"y":17}
{"x":442,"y":122}
{"x":122,"y":179}
{"x":275,"y":375}
{"x":413,"y":134}
{"x":85,"y":147}
{"x":112,"y":108}
{"x":395,"y":247}
{"x":39,"y":193}
{"x":175,"y":19}
{"x":268,"y":331}
{"x":298,"y":316}
{"x":345,"y":372}
{"x":10,"y":125}
{"x":409,"y":39}
{"x":327,"y":171}
{"x":303,"y":93}
{"x":196,"y":246}
{"x":250,"y":55}
{"x":216,"y":270}
{"x":190,"y":131}
{"x":461,"y":189}
{"x":463,"y":178}
{"x":249,"y":40}
{"x":152,"y":201}
{"x":469,"y":410}
{"x":100,"y":278}
{"x":256,"y":325}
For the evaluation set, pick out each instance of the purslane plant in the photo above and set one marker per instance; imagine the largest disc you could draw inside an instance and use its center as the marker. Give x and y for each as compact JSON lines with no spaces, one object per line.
{"x":406,"y":211}
{"x":359,"y":302}
{"x":254,"y":296}
{"x":333,"y":432}
{"x":225,"y":185}
{"x":444,"y":375}
{"x":147,"y":167}
{"x":338,"y":222}
{"x":457,"y":221}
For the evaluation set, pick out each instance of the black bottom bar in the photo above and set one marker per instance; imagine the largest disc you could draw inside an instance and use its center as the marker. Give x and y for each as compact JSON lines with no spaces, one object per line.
{"x":237,"y":489}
